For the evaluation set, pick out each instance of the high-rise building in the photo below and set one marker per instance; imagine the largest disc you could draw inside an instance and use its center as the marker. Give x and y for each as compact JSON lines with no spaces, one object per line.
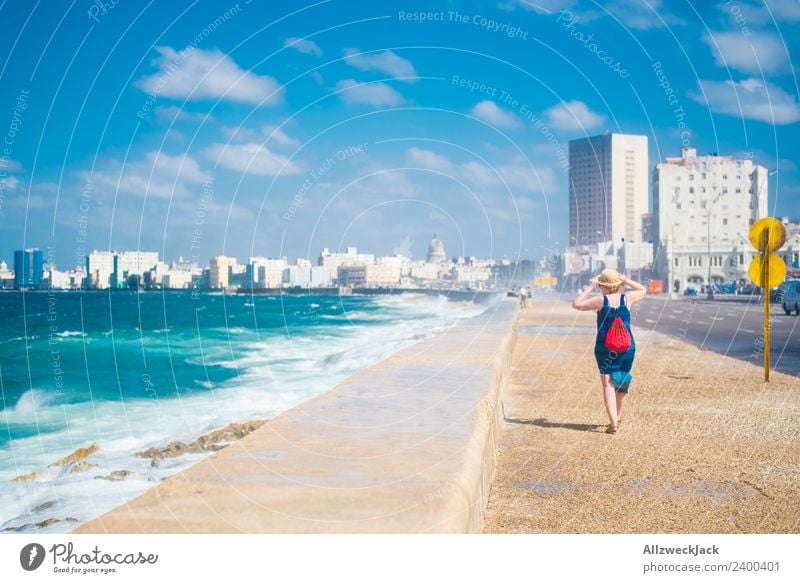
{"x":703,"y":207}
{"x":607,"y":188}
{"x":220,"y":269}
{"x":28,"y":268}
{"x":263,"y":273}
{"x":100,"y":266}
{"x":130,"y":263}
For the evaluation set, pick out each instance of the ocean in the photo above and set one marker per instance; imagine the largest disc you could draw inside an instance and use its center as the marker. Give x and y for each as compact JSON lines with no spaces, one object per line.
{"x":131,"y":371}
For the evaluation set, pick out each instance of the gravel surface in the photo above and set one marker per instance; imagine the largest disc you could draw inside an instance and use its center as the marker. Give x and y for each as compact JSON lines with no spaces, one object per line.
{"x":705,"y":445}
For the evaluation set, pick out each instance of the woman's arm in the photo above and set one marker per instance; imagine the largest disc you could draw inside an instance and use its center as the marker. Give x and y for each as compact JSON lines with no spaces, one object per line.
{"x":638,"y":291}
{"x":583,"y":302}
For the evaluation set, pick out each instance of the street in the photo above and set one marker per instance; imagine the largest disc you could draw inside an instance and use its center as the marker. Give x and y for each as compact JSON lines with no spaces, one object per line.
{"x":726,"y":326}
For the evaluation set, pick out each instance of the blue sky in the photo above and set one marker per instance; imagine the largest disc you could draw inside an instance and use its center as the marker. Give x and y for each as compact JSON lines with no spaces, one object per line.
{"x":268,"y":128}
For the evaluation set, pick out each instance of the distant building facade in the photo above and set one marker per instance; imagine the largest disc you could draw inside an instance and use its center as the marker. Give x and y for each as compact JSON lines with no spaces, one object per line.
{"x":220,"y":270}
{"x":28,"y":268}
{"x":608,"y":194}
{"x":703,"y":208}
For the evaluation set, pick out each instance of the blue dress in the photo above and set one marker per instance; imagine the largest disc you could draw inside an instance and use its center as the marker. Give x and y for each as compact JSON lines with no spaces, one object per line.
{"x":607,"y":361}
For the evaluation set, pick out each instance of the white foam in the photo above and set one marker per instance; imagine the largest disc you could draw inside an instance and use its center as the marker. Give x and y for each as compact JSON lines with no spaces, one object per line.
{"x":273,"y":376}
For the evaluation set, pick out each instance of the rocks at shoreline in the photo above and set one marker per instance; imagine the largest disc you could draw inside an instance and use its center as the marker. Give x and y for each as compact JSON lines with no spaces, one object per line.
{"x":77,"y":457}
{"x":208,"y":442}
{"x":212,"y":441}
{"x":37,"y":525}
{"x":115,"y":476}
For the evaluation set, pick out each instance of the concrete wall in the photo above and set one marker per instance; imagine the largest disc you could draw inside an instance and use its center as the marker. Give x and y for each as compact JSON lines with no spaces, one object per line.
{"x":406,"y":446}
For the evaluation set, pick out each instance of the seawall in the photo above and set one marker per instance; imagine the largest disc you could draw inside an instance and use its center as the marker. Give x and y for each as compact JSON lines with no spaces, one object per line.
{"x":406,"y":446}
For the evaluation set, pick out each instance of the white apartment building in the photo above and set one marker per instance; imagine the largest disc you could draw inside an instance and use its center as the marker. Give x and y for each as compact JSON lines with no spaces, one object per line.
{"x":220,"y":270}
{"x":100,"y":267}
{"x":608,"y":192}
{"x":384,"y":274}
{"x":6,"y":276}
{"x":263,"y":273}
{"x":134,"y":263}
{"x":703,"y":208}
{"x":350,"y":257}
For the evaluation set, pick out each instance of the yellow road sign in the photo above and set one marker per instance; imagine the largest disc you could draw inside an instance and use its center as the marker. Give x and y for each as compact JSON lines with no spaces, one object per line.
{"x":777,"y":234}
{"x":767,"y":270}
{"x":776,"y":271}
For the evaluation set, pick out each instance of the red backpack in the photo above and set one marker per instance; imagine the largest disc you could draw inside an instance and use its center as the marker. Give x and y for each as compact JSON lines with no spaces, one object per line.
{"x":617,"y":337}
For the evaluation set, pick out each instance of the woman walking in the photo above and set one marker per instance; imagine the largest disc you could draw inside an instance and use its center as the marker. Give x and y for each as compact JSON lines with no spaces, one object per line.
{"x":614,"y":347}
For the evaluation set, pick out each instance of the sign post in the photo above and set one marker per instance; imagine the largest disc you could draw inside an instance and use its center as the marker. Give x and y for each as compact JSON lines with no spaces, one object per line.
{"x":767,"y":270}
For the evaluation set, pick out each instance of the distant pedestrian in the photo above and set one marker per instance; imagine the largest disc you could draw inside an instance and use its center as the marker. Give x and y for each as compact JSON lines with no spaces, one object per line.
{"x":523,"y":300}
{"x":614,"y":347}
{"x":529,"y":297}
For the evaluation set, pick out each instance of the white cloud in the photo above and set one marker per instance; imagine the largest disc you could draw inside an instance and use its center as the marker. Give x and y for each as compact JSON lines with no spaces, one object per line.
{"x":9,"y":165}
{"x":268,"y":134}
{"x":386,"y":62}
{"x":749,"y":99}
{"x":540,"y":6}
{"x":197,"y":75}
{"x":158,"y":175}
{"x":251,"y":158}
{"x":757,"y":52}
{"x":277,"y":136}
{"x":515,"y":174}
{"x":573,"y":115}
{"x":9,"y":182}
{"x":182,"y":166}
{"x":489,"y":112}
{"x":303,"y":45}
{"x":642,"y":14}
{"x":173,"y":113}
{"x":428,"y":159}
{"x":746,"y":14}
{"x":370,"y":93}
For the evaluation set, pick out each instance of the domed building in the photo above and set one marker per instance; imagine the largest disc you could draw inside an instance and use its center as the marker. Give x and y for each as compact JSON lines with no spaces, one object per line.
{"x":436,"y":252}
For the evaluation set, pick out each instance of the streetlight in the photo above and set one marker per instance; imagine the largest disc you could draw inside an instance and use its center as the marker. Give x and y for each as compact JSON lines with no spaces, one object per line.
{"x":709,"y":207}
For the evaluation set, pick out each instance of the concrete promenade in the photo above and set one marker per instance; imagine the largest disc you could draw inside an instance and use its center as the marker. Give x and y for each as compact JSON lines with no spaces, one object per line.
{"x":705,"y":445}
{"x":408,"y":445}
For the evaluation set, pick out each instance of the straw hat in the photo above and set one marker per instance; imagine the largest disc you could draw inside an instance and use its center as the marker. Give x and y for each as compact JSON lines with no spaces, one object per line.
{"x":610,"y":278}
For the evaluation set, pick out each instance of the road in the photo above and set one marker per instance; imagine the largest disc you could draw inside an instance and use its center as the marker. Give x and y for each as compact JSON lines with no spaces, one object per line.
{"x":724,"y":326}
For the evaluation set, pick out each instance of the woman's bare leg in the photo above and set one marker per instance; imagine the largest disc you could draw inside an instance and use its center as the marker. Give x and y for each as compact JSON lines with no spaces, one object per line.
{"x":609,"y":399}
{"x":620,"y":397}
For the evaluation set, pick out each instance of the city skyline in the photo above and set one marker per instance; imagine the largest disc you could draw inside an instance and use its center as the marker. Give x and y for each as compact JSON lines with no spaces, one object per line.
{"x":358,"y":130}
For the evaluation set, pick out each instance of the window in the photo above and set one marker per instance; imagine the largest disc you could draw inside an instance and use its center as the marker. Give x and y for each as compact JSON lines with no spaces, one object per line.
{"x":724,"y":176}
{"x":691,"y":176}
{"x":703,"y":176}
{"x":677,"y":262}
{"x":691,"y":190}
{"x":725,"y":222}
{"x":703,"y":204}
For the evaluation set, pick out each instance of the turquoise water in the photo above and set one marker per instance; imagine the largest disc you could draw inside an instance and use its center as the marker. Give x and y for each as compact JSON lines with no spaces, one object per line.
{"x":130,"y":371}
